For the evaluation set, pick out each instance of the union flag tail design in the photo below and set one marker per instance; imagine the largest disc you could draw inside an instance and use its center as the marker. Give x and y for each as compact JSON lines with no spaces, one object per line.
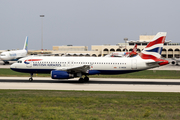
{"x":154,"y":48}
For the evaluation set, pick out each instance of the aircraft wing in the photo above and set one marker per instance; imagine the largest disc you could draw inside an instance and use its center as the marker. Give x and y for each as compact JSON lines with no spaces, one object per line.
{"x":81,"y":68}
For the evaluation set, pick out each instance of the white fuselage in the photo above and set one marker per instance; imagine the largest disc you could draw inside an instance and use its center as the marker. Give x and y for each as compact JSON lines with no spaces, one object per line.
{"x":101,"y":65}
{"x":13,"y":55}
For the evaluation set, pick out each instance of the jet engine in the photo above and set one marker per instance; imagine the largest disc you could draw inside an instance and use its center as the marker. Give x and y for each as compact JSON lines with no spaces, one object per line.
{"x":173,"y":62}
{"x":56,"y":74}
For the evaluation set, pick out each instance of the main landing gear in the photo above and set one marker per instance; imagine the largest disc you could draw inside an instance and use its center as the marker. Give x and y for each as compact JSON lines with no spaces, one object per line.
{"x":31,"y":79}
{"x":6,"y":62}
{"x":85,"y":79}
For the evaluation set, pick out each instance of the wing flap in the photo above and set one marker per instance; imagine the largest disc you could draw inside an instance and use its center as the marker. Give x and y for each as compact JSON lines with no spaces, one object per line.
{"x":81,"y":68}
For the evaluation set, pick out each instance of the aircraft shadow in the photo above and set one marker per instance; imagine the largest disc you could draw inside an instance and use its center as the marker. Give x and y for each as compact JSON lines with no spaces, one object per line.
{"x":92,"y":82}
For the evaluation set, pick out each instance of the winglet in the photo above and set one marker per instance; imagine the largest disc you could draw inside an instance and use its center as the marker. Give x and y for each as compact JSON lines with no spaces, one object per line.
{"x":26,"y":44}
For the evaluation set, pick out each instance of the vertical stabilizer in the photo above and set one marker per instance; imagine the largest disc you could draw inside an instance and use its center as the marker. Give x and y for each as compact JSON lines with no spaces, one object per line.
{"x":135,"y":48}
{"x":154,"y":48}
{"x":26,"y":44}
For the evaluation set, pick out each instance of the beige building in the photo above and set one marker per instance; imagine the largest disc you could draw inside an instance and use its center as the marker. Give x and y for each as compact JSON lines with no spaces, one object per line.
{"x":169,"y":50}
{"x":70,"y":48}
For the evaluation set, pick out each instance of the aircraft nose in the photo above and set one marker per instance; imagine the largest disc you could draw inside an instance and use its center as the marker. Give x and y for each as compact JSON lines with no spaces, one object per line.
{"x":3,"y":57}
{"x":13,"y":66}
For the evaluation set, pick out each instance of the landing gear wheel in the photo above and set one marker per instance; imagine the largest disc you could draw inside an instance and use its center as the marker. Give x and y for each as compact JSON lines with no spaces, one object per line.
{"x":81,"y":80}
{"x":86,"y":79}
{"x":6,"y":63}
{"x":30,"y":79}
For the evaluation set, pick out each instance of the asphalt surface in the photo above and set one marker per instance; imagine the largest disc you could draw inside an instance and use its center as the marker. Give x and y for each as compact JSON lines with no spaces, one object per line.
{"x":95,"y":84}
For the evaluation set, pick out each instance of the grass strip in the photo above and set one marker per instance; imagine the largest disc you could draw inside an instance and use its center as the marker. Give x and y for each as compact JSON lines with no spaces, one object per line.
{"x":146,"y":74}
{"x":39,"y":104}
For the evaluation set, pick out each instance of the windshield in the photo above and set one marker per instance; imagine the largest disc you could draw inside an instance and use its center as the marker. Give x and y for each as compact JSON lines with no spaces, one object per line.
{"x":19,"y":61}
{"x":3,"y":55}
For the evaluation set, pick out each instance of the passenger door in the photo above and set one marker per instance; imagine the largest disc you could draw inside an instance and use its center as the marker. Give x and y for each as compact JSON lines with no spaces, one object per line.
{"x":133,"y":64}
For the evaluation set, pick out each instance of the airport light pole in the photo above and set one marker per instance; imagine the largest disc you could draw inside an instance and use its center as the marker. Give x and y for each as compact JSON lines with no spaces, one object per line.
{"x":42,"y":16}
{"x":125,"y":39}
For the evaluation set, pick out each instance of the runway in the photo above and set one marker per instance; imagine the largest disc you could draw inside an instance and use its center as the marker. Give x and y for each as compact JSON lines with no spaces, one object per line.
{"x":95,"y":84}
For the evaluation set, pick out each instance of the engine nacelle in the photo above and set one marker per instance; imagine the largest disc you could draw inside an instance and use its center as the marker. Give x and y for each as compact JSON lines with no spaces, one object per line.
{"x":56,"y":74}
{"x":173,"y":62}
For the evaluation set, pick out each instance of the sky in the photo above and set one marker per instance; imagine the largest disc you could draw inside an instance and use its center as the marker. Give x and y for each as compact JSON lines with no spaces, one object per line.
{"x":85,"y":22}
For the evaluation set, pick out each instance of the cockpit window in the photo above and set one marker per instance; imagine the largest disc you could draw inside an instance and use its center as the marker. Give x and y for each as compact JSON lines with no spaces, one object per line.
{"x":19,"y":61}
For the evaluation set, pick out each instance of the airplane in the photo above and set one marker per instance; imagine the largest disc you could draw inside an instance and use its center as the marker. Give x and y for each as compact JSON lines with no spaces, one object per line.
{"x":14,"y":55}
{"x":175,"y":61}
{"x":123,"y":54}
{"x":71,"y":67}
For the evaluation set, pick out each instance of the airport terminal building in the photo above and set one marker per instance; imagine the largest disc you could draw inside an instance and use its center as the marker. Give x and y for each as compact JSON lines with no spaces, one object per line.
{"x":169,"y":50}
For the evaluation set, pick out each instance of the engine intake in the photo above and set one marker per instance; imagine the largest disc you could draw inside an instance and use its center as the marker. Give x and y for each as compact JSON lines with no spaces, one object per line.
{"x":56,"y":74}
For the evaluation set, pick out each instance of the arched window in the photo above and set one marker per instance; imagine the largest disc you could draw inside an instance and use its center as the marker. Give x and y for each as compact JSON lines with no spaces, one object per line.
{"x":176,"y":49}
{"x":106,"y":49}
{"x":125,"y":49}
{"x":130,"y":49}
{"x":163,"y":49}
{"x":112,"y":50}
{"x":56,"y":55}
{"x":87,"y":55}
{"x":94,"y":55}
{"x":163,"y":55}
{"x":138,"y":50}
{"x":118,"y":49}
{"x":170,"y":49}
{"x":99,"y":55}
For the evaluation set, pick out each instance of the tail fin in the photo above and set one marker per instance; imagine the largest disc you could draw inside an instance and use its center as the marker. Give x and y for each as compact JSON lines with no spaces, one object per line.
{"x":154,"y":48}
{"x":135,"y":48}
{"x":26,"y":44}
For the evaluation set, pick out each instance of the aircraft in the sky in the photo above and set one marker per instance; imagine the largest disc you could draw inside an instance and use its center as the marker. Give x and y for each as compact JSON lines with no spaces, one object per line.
{"x":14,"y":55}
{"x":123,"y":54}
{"x":70,"y":67}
